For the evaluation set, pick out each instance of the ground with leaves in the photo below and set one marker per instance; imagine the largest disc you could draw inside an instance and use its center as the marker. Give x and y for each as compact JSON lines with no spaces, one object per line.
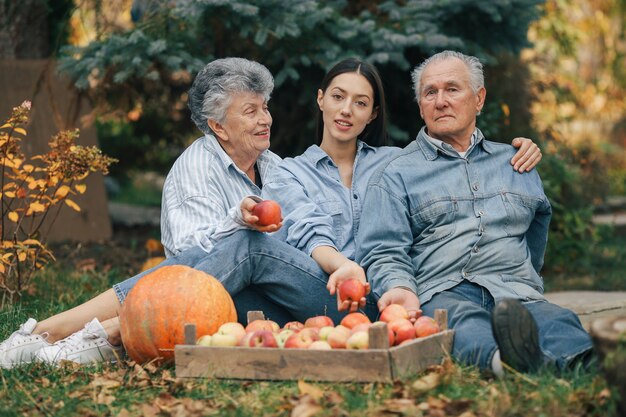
{"x":128,"y":389}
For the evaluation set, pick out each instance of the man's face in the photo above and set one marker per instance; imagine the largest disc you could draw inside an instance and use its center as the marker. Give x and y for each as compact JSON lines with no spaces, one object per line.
{"x":447,"y":102}
{"x":246,"y":128}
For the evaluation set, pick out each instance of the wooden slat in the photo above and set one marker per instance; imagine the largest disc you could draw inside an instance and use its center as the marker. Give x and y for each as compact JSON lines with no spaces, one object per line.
{"x":190,"y":334}
{"x":419,"y":354}
{"x":255,"y":315}
{"x":283,"y":364}
{"x":378,"y":336}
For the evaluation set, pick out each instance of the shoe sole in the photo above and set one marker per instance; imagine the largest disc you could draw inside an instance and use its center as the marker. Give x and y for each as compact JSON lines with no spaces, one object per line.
{"x":517,"y":336}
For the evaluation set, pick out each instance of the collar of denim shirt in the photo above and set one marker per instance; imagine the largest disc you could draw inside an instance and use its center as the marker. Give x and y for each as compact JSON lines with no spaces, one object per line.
{"x":431,"y":146}
{"x":315,"y":154}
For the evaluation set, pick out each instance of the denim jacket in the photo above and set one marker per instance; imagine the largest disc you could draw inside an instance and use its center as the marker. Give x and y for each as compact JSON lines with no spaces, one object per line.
{"x":441,"y":218}
{"x":319,"y":210}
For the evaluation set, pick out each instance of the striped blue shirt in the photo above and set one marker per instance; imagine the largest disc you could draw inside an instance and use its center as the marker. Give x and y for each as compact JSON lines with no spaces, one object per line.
{"x":202,"y":193}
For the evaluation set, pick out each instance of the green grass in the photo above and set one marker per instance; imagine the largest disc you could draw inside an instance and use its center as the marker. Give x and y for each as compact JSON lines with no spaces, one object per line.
{"x":130,"y":390}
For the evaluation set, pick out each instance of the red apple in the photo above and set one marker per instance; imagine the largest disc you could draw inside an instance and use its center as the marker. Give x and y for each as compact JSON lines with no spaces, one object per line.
{"x":425,"y":326}
{"x":338,"y":337}
{"x":263,"y":338}
{"x":302,"y":339}
{"x":294,"y":325}
{"x":393,"y":312}
{"x":402,"y":330}
{"x":255,"y":325}
{"x":268,"y":212}
{"x":320,"y":345}
{"x":319,"y":322}
{"x":351,"y":290}
{"x":358,"y":340}
{"x":232,"y":328}
{"x":245,"y":340}
{"x":352,"y":319}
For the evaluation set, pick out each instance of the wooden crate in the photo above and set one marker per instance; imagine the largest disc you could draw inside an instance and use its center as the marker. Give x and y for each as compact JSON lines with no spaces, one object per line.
{"x":379,"y":363}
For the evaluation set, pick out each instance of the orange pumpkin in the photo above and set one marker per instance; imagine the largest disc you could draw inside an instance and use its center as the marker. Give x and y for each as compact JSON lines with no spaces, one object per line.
{"x":154,"y":314}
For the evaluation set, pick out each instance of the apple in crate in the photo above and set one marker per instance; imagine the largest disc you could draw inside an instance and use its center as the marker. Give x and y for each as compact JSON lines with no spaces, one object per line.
{"x":269,"y":325}
{"x":320,"y":345}
{"x":393,"y":312}
{"x":204,"y":340}
{"x":234,"y":329}
{"x":338,"y":337}
{"x":263,"y":338}
{"x":319,"y":322}
{"x":302,"y":339}
{"x":294,"y":325}
{"x":358,"y":340}
{"x":352,"y":319}
{"x":402,"y":330}
{"x":283,"y":335}
{"x":425,"y":326}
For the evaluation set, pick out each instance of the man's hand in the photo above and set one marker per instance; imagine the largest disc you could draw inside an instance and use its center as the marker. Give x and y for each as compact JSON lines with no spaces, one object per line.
{"x":251,"y":220}
{"x":347,"y":270}
{"x":527,"y":156}
{"x":405,"y":298}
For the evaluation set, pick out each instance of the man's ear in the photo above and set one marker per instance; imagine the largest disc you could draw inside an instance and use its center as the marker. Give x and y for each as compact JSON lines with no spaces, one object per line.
{"x":480,"y":95}
{"x":218,"y":129}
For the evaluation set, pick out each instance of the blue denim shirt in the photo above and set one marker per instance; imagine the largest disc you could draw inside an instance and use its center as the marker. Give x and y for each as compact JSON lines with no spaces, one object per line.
{"x":319,"y":210}
{"x":441,"y":218}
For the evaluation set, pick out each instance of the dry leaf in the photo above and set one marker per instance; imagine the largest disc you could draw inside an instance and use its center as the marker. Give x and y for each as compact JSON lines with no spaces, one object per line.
{"x":427,"y":382}
{"x":311,"y":390}
{"x":72,"y":204}
{"x":306,"y":407}
{"x":399,"y":405}
{"x":13,"y":216}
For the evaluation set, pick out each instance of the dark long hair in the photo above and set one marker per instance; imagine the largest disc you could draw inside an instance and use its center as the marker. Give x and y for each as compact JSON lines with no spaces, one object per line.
{"x":375,"y":133}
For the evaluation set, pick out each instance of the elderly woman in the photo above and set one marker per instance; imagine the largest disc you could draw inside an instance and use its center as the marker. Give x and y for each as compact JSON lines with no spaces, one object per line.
{"x":201,"y":211}
{"x":228,"y":103}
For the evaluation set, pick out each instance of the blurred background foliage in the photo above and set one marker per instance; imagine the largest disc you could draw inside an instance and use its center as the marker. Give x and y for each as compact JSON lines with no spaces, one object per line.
{"x":556,"y":72}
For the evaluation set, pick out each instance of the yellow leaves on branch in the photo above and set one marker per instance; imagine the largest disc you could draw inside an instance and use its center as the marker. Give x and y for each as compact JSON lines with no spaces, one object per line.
{"x":72,"y":204}
{"x":32,"y":187}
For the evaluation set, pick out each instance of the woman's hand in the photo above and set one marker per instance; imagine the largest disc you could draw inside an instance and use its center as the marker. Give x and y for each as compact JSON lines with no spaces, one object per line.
{"x":527,"y":156}
{"x":348,"y":269}
{"x":251,"y":220}
{"x":403,"y":296}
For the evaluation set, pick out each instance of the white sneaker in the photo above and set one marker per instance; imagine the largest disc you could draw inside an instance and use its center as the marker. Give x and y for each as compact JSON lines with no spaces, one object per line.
{"x":21,"y":346}
{"x":85,"y":346}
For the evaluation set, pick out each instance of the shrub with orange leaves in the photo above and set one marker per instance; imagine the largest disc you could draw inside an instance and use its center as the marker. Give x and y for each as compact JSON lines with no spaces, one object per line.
{"x":32,"y":191}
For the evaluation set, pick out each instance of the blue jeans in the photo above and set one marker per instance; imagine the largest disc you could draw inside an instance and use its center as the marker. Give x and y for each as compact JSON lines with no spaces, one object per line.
{"x":262,"y":273}
{"x":562,"y":338}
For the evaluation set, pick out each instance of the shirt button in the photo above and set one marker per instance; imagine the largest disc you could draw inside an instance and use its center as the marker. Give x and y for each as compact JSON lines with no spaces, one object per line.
{"x":475,"y":187}
{"x":475,"y":250}
{"x":355,"y":196}
{"x":481,"y":213}
{"x":465,"y":274}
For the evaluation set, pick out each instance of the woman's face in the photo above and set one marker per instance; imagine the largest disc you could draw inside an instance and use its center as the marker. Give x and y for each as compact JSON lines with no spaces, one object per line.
{"x":246,"y":128}
{"x":347,"y":107}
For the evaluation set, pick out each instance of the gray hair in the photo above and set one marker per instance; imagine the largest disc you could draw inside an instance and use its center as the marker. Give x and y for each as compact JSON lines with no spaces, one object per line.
{"x":477,"y":78}
{"x":212,"y":90}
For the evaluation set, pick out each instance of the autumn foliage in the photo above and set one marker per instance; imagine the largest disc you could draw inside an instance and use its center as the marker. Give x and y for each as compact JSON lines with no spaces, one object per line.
{"x":33,"y":191}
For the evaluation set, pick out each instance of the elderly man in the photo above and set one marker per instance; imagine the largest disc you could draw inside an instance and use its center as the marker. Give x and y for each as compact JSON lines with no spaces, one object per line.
{"x":456,"y":230}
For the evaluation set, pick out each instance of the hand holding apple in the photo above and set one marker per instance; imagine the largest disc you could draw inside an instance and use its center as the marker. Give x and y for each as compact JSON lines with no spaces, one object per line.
{"x":263,"y":216}
{"x":403,"y":296}
{"x":348,"y":271}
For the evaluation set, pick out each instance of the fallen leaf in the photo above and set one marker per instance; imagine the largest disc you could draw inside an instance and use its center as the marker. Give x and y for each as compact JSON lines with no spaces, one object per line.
{"x":306,"y":407}
{"x":426,"y":383}
{"x":311,"y":390}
